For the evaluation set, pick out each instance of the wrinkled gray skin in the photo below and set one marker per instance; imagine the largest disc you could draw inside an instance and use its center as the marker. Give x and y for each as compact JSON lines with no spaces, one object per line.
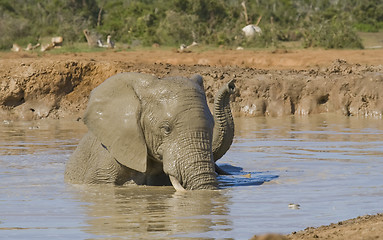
{"x":152,"y":131}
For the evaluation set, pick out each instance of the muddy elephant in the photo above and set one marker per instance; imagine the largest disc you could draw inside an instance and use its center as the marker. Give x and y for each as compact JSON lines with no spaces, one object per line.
{"x":151,"y":131}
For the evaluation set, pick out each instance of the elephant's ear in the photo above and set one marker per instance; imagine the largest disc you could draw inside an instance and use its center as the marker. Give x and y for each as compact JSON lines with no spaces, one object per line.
{"x":113,"y":116}
{"x":197,"y":79}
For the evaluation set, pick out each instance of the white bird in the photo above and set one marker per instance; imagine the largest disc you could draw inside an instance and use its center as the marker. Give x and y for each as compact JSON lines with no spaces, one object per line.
{"x":251,"y":29}
{"x":183,"y":47}
{"x":100,"y":43}
{"x":109,"y":42}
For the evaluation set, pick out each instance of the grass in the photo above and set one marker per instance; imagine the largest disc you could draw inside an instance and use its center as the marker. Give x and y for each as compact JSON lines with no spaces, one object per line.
{"x":372,"y":39}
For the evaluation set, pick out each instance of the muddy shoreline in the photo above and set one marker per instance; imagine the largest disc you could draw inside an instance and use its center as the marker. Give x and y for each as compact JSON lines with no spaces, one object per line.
{"x":363,"y":227}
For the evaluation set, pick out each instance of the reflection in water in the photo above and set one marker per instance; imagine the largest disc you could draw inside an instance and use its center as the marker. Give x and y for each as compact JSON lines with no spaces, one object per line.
{"x":153,"y":212}
{"x":330,"y":165}
{"x":318,"y":127}
{"x":19,"y":138}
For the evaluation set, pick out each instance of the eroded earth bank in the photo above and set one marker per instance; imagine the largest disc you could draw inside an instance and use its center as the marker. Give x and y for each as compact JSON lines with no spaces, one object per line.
{"x":39,"y":87}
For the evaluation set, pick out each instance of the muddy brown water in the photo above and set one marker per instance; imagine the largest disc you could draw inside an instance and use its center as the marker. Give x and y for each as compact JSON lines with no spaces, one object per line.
{"x":330,"y":165}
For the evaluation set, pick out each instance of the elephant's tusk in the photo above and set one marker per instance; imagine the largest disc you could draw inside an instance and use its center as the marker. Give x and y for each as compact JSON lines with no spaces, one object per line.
{"x":176,"y":184}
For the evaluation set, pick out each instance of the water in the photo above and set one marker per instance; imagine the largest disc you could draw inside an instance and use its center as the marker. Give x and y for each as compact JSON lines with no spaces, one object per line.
{"x":330,"y":165}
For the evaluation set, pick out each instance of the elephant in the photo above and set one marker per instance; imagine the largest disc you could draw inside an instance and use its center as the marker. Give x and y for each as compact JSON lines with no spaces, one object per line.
{"x":149,"y":131}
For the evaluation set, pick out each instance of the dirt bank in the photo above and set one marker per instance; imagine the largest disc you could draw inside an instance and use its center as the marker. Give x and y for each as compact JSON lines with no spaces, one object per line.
{"x":360,"y":228}
{"x":58,"y":86}
{"x":364,"y":227}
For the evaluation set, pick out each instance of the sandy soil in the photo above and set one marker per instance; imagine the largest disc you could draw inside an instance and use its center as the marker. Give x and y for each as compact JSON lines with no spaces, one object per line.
{"x":261,"y":59}
{"x":360,"y":228}
{"x":269,"y":83}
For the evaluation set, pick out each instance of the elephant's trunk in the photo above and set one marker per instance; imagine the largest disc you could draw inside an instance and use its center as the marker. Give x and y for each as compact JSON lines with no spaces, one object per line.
{"x":197,"y":171}
{"x":197,"y":174}
{"x":203,"y":178}
{"x":223,"y":132}
{"x":190,"y":165}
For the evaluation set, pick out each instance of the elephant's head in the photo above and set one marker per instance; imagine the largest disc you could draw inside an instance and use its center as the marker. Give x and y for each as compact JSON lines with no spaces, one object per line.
{"x":142,"y":120}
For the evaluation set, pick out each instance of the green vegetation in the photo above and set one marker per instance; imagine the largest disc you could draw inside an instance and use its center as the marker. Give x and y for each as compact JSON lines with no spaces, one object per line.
{"x":316,"y":23}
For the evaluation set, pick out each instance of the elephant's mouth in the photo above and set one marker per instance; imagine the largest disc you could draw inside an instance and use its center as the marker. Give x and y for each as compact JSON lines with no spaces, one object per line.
{"x":176,"y":184}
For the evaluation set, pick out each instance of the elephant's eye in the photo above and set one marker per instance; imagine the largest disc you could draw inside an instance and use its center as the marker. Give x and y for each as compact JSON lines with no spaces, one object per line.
{"x":166,"y":129}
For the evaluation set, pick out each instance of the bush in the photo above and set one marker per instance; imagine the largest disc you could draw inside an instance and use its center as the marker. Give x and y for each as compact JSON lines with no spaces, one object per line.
{"x":332,"y":34}
{"x":17,"y":31}
{"x":324,"y":23}
{"x":177,"y":28}
{"x":366,"y":27}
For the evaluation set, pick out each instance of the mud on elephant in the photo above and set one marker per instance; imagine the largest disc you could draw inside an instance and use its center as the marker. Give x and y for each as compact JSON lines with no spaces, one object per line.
{"x":151,"y":131}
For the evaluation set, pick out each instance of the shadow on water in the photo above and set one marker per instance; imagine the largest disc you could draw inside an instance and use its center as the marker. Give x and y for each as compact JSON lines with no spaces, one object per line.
{"x":239,"y":177}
